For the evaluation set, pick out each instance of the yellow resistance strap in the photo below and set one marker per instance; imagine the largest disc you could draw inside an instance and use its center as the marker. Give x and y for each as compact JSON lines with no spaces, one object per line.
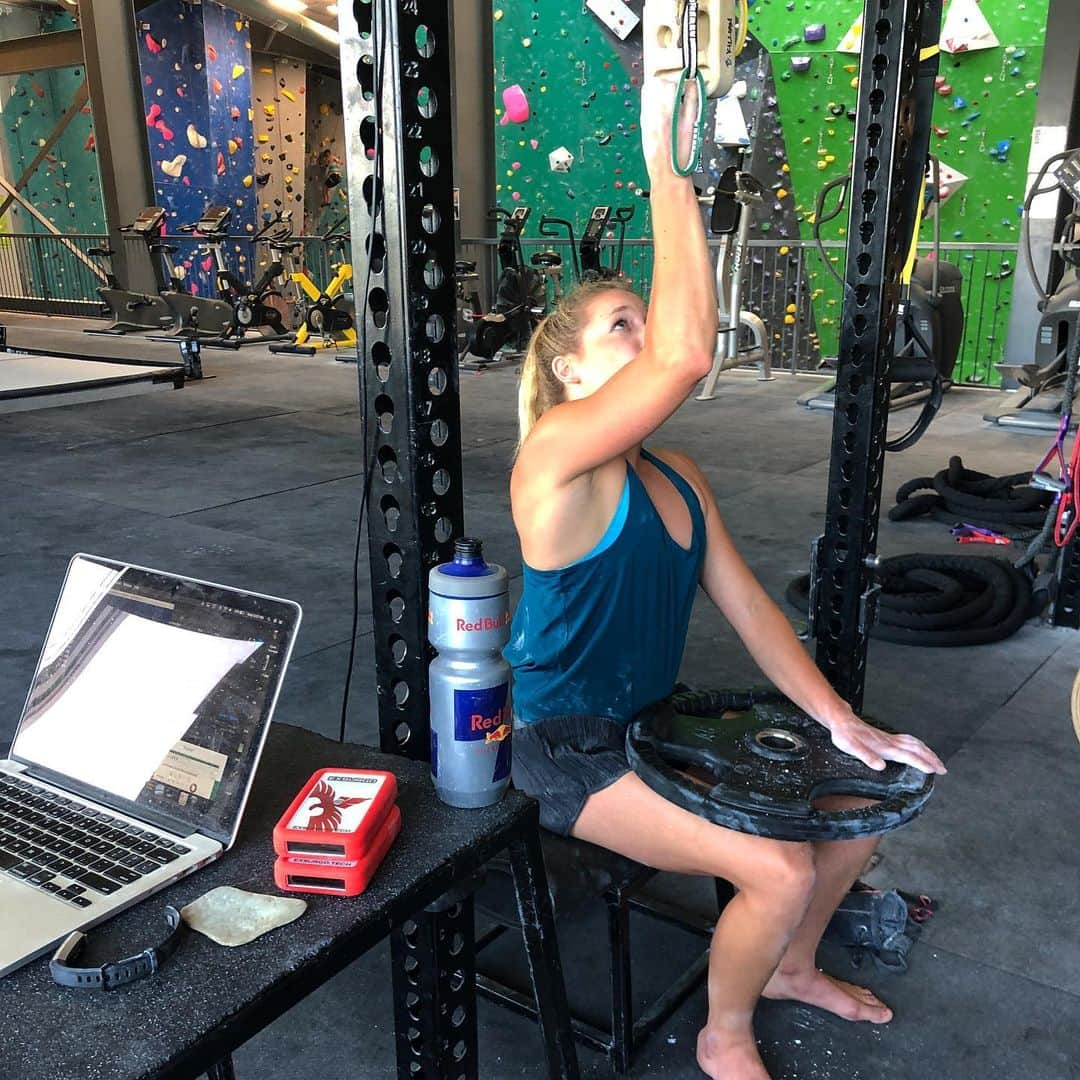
{"x":909,"y":266}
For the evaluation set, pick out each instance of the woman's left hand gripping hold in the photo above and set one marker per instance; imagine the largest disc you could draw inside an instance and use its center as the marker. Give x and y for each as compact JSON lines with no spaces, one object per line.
{"x":875,"y":747}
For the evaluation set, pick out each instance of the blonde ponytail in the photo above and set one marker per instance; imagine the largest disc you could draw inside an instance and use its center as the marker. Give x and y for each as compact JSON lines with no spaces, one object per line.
{"x":557,"y":334}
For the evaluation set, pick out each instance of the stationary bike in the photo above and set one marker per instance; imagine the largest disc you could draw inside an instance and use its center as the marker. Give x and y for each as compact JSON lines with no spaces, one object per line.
{"x":131,"y":310}
{"x":251,"y":310}
{"x":520,"y":296}
{"x":203,"y":317}
{"x":327,"y":321}
{"x":737,"y":195}
{"x":1059,"y":303}
{"x":592,"y":268}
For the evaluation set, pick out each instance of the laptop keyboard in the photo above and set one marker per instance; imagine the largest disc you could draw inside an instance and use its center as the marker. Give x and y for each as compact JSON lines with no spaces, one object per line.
{"x":70,"y":850}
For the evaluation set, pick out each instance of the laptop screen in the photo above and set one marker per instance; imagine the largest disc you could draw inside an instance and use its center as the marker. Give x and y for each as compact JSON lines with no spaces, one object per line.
{"x":154,"y":693}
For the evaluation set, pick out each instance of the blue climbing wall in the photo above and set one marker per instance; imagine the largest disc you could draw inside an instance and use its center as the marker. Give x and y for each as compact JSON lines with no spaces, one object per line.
{"x":196,"y":75}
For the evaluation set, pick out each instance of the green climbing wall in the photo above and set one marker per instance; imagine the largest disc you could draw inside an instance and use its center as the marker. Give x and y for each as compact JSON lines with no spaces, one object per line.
{"x":582,"y":88}
{"x":984,"y":114}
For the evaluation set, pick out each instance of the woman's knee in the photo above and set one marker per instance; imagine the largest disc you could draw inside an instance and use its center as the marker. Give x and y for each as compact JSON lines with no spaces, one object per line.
{"x":782,"y":871}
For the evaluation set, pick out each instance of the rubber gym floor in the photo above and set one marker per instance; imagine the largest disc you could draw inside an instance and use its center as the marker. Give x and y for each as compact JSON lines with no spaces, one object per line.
{"x":253,"y":478}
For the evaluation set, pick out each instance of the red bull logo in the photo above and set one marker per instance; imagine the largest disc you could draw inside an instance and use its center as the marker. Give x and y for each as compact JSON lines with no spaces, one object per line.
{"x":484,"y":624}
{"x":501,"y":733}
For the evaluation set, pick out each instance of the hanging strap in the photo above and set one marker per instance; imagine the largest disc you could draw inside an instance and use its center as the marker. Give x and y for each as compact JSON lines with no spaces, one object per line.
{"x":690,"y":72}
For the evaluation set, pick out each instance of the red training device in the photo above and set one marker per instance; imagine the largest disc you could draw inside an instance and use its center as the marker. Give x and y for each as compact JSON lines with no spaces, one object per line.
{"x":339,"y":877}
{"x":337,"y":815}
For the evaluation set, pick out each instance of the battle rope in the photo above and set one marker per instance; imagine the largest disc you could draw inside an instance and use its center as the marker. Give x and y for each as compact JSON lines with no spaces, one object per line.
{"x":942,"y":600}
{"x":1005,"y":504}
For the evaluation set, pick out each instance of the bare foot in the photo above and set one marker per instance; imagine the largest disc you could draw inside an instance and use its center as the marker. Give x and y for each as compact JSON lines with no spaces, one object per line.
{"x":816,"y":988}
{"x":723,"y":1055}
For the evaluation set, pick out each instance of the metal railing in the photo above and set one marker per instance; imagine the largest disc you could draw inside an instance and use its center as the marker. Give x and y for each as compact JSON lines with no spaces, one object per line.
{"x":789,"y":287}
{"x":51,"y":275}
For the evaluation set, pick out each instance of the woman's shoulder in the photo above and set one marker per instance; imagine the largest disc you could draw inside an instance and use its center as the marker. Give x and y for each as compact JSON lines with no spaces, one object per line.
{"x":688,"y":469}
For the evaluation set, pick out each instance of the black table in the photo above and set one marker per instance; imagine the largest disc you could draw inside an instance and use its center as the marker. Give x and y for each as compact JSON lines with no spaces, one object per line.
{"x":208,"y":1000}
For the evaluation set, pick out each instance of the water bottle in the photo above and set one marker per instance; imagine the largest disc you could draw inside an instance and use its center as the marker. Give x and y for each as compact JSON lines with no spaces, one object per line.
{"x":469,"y":681}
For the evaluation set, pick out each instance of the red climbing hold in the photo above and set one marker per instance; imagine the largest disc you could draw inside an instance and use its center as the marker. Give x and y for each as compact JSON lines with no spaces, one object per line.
{"x":152,"y":115}
{"x":215,"y":85}
{"x":220,"y":163}
{"x":166,"y":132}
{"x":234,"y":112}
{"x":152,"y":45}
{"x":89,"y":144}
{"x":38,"y":90}
{"x":211,"y":52}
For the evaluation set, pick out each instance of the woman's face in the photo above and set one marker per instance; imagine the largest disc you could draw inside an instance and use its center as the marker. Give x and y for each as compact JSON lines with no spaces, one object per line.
{"x":614,"y":334}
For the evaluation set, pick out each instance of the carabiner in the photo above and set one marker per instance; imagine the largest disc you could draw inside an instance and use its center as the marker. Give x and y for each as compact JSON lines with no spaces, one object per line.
{"x":699,"y":124}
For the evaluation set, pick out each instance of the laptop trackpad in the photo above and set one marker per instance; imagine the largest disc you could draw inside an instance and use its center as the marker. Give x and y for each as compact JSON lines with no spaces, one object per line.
{"x":33,"y":920}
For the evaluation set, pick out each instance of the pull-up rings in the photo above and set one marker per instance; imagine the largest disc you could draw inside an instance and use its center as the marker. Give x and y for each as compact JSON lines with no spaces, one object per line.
{"x":690,"y":72}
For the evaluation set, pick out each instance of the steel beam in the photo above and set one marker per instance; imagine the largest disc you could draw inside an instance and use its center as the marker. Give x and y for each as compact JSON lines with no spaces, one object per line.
{"x":112,"y":73}
{"x":79,"y":100}
{"x":403,"y":244}
{"x":890,"y":149}
{"x":58,"y":50}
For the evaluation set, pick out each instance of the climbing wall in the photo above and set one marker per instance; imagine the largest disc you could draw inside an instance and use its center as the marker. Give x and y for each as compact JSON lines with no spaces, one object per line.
{"x":325,"y":182}
{"x":563,"y":81}
{"x":280,"y":107}
{"x":66,"y":185}
{"x":983,"y":118}
{"x":195,"y":63}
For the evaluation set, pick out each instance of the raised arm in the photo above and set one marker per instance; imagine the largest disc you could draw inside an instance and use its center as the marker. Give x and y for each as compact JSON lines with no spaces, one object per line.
{"x":675,"y":344}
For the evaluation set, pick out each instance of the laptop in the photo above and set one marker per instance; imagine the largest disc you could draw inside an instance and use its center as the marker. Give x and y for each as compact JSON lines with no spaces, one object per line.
{"x":137,"y":746}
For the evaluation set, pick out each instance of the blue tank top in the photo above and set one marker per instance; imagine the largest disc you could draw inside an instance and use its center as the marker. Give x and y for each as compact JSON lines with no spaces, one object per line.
{"x":605,"y":635}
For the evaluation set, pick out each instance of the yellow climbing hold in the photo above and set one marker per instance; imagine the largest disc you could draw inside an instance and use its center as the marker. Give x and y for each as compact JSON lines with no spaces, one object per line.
{"x":498,"y":14}
{"x":264,"y":138}
{"x":237,"y":71}
{"x":806,"y":140}
{"x":543,"y":89}
{"x":851,"y":68}
{"x":248,"y":181}
{"x":789,"y":320}
{"x":266,"y":71}
{"x":251,"y":115}
{"x":781,"y":193}
{"x":288,"y":94}
{"x":526,"y":42}
{"x":233,"y":146}
{"x":855,"y":83}
{"x":269,"y":111}
{"x":324,"y":109}
{"x":830,"y":158}
{"x":785,"y":168}
{"x":790,"y":309}
{"x":822,"y":166}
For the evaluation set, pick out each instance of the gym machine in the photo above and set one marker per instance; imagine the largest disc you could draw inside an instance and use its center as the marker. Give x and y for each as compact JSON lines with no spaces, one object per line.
{"x":252,"y":313}
{"x":737,"y":194}
{"x":520,"y":296}
{"x":204,"y":317}
{"x":327,"y":321}
{"x":930,"y":319}
{"x":1044,"y":378}
{"x":591,"y":267}
{"x":134,"y":311}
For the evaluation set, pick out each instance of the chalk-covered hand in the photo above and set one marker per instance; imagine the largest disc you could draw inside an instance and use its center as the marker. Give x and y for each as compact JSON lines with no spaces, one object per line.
{"x":874,"y":747}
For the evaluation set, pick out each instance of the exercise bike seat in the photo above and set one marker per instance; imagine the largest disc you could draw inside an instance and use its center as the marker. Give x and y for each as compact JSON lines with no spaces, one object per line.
{"x":548,"y":259}
{"x":106,"y":252}
{"x":162,"y":249}
{"x":464,"y":266}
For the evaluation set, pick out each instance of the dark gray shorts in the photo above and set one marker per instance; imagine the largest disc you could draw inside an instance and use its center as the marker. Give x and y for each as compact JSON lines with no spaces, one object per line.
{"x":562,"y":760}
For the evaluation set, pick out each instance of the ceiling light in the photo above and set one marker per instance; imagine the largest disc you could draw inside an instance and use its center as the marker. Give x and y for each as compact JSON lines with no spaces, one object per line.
{"x":294,"y":7}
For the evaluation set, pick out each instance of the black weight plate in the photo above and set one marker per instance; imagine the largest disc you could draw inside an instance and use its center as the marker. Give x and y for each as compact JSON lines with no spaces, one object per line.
{"x":755,"y":763}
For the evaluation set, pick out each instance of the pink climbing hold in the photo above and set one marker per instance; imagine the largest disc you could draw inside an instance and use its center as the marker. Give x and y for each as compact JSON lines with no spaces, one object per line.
{"x":516,"y":196}
{"x":152,"y":115}
{"x":220,"y":164}
{"x":166,"y":132}
{"x":534,"y":143}
{"x":89,"y":144}
{"x":208,"y":263}
{"x":515,"y":165}
{"x":515,"y":104}
{"x":152,"y":45}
